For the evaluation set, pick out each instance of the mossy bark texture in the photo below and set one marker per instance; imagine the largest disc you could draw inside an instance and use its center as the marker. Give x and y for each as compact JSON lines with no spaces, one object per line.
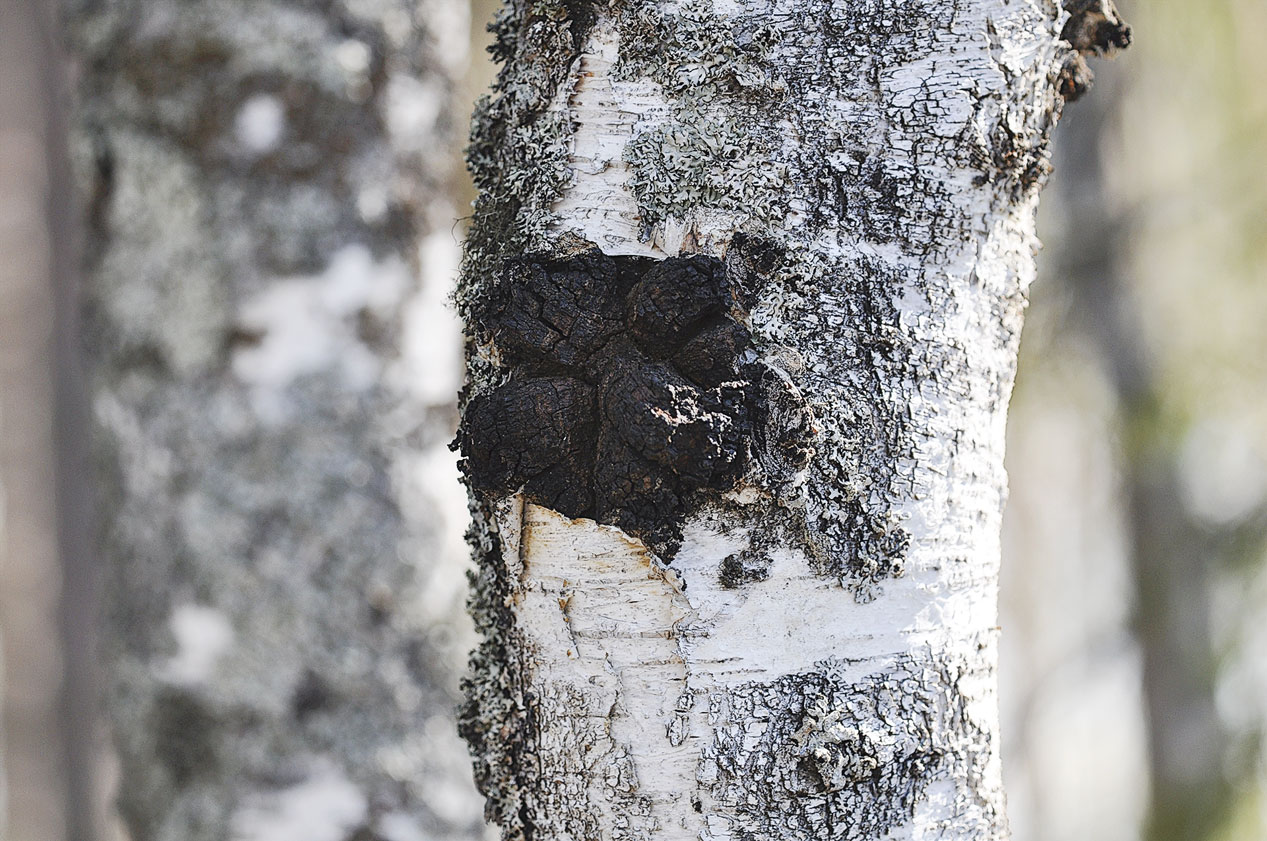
{"x":744,"y":288}
{"x":257,"y":176}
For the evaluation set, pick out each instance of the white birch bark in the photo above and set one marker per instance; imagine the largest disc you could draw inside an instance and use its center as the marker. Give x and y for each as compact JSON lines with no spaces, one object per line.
{"x":273,"y":398}
{"x":811,"y":652}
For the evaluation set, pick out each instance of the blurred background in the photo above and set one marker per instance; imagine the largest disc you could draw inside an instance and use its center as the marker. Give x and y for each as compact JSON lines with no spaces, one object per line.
{"x":1135,"y":548}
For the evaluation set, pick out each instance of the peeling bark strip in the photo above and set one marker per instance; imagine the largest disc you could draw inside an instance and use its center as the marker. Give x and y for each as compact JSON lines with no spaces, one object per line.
{"x":258,"y":174}
{"x":744,"y":292}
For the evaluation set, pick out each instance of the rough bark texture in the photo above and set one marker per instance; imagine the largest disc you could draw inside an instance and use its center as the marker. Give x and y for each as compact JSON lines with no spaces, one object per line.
{"x":257,"y":177}
{"x":802,"y":645}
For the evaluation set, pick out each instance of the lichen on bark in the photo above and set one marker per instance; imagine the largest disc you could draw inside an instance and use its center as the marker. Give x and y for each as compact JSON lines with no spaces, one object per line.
{"x":823,"y":755}
{"x":518,"y":147}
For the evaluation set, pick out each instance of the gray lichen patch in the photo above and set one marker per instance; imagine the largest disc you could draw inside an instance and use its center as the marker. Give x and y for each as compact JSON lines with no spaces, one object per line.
{"x":752,"y":131}
{"x":844,"y":316}
{"x":820,"y":756}
{"x":703,"y":157}
{"x":518,"y":153}
{"x":693,"y":53}
{"x":764,"y":91}
{"x":700,"y":161}
{"x":495,"y":718}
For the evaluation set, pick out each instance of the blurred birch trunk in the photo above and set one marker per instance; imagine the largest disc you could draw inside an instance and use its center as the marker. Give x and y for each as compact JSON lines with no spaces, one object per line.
{"x":46,"y":574}
{"x":1176,"y":557}
{"x":745,"y":287}
{"x":272,"y":391}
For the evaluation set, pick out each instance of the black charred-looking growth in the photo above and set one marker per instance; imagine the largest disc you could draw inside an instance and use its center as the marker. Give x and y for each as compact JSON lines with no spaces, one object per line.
{"x":632,"y":387}
{"x":1094,"y":28}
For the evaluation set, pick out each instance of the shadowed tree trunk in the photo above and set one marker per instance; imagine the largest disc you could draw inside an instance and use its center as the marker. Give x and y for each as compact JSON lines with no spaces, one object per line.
{"x":46,"y":578}
{"x":744,"y":288}
{"x":1176,"y":557}
{"x":272,"y":397}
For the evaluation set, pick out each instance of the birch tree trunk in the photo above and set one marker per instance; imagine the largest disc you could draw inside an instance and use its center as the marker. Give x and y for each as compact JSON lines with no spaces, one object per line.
{"x":746,"y":284}
{"x":47,"y":578}
{"x":273,"y":399}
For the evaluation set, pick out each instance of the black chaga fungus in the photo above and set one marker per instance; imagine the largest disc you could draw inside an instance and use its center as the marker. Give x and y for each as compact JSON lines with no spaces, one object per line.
{"x":560,"y":311}
{"x":673,"y":297}
{"x":538,"y":434}
{"x":629,"y":389}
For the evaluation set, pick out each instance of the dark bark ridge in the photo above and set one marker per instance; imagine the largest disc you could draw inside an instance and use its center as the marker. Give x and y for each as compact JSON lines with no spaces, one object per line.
{"x":633,"y":386}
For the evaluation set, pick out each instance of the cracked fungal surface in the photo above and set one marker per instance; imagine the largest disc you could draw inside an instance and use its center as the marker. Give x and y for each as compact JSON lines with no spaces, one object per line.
{"x":632,"y":387}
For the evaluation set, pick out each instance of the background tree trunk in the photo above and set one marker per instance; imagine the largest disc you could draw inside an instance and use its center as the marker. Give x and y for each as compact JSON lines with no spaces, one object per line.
{"x":746,"y":285}
{"x":46,"y":575}
{"x":1195,"y":757}
{"x":272,"y":399}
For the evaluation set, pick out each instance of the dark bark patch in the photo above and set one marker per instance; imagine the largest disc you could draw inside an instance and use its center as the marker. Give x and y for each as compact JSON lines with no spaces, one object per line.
{"x":1075,"y":77}
{"x":632,"y":387}
{"x":781,"y":407}
{"x":539,"y":434}
{"x":311,"y":695}
{"x":743,"y":568}
{"x":365,"y":833}
{"x":185,"y":736}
